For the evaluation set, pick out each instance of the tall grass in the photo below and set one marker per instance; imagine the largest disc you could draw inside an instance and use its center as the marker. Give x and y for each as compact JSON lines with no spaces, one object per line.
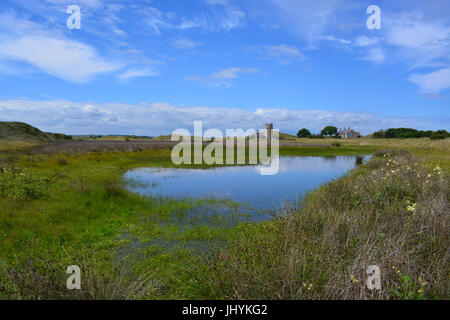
{"x":391,"y":213}
{"x":39,"y":278}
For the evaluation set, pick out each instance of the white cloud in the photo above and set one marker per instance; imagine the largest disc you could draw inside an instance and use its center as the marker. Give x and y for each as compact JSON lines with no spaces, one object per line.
{"x":363,"y":41}
{"x":66,"y":59}
{"x":155,"y":20}
{"x":223,"y":77}
{"x":284,"y":54}
{"x":308,"y":19}
{"x":27,"y":43}
{"x":87,"y":118}
{"x":232,"y":73}
{"x":137,"y":73}
{"x":225,"y":19}
{"x":420,"y":42}
{"x":433,"y":82}
{"x":83,"y":3}
{"x":218,"y":2}
{"x":334,"y":39}
{"x":184,"y":43}
{"x":375,"y":55}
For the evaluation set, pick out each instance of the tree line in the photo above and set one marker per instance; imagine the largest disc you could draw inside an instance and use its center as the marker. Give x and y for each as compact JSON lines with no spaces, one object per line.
{"x":328,"y":131}
{"x":403,"y":133}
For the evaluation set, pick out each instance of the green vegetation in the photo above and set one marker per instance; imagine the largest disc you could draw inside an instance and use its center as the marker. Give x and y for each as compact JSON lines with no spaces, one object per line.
{"x":410,"y":133}
{"x":61,"y":205}
{"x":329,"y":131}
{"x":303,"y":133}
{"x":391,"y":213}
{"x":23,"y":131}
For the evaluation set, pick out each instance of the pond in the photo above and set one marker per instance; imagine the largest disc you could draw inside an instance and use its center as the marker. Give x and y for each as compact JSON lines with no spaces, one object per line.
{"x":256,"y":194}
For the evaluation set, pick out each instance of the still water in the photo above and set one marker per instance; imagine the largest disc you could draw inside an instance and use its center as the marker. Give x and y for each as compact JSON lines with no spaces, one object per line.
{"x":242,"y":184}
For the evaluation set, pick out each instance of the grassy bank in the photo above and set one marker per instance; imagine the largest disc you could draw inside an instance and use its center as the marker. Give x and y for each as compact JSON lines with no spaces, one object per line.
{"x":71,"y":208}
{"x":391,"y":213}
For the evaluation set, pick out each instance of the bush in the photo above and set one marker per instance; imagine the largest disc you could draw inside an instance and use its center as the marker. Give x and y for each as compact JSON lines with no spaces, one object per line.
{"x":114,"y":189}
{"x":336,"y":144}
{"x":17,"y":184}
{"x":439,"y":136}
{"x":379,"y":134}
{"x":405,"y":133}
{"x":63,"y":162}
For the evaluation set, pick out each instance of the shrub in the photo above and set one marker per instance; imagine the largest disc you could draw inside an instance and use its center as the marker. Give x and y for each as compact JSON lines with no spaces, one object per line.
{"x":336,"y":144}
{"x":409,"y":133}
{"x":63,"y":162}
{"x":16,"y":183}
{"x":378,"y":134}
{"x":439,"y":136}
{"x":114,"y":189}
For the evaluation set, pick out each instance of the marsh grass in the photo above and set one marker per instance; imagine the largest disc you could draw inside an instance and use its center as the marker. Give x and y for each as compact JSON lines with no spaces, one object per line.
{"x":391,"y":213}
{"x":39,"y":278}
{"x":317,"y":249}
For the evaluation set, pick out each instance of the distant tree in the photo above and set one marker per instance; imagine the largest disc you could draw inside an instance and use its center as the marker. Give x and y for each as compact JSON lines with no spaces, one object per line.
{"x":405,"y":133}
{"x":402,"y":133}
{"x":443,"y":132}
{"x":428,"y":133}
{"x":378,"y":134}
{"x":329,"y":131}
{"x":303,"y":133}
{"x":438,"y":136}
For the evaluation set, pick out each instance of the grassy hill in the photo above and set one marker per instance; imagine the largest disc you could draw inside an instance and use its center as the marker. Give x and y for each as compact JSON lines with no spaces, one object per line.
{"x":20,"y":131}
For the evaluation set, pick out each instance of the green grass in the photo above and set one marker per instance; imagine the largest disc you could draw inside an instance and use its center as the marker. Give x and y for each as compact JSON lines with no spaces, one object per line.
{"x":392,"y":213}
{"x":63,"y":209}
{"x":78,"y":202}
{"x":25,"y":132}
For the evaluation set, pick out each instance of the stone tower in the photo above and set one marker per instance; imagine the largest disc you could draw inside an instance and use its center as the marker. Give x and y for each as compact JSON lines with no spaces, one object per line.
{"x":269,"y":128}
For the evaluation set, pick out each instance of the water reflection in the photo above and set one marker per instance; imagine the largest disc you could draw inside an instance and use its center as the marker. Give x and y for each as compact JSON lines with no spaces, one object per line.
{"x":243,"y":184}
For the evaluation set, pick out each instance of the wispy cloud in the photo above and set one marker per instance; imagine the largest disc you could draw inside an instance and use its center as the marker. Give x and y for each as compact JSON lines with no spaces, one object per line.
{"x":335,"y":39}
{"x":217,"y":18}
{"x":422,"y":42}
{"x":307,"y":19}
{"x":66,"y":59}
{"x":282,"y":53}
{"x":134,"y":72}
{"x":375,"y":55}
{"x":432,"y":82}
{"x":223,"y":77}
{"x":184,"y":43}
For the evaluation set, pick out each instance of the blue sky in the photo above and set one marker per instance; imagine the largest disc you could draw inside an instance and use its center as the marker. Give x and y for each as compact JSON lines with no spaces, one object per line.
{"x":149,"y":67}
